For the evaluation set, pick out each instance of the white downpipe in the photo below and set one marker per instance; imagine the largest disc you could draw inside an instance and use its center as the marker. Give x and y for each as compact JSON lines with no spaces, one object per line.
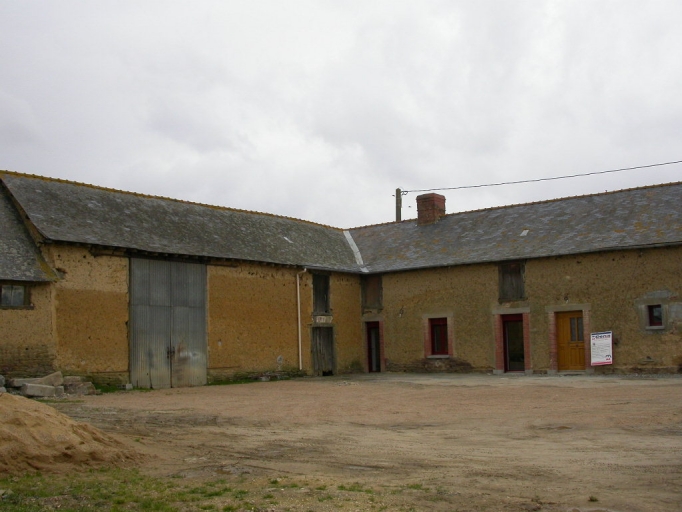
{"x":298,"y":304}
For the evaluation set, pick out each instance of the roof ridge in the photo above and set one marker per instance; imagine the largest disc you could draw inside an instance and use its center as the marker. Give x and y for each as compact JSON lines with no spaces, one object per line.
{"x":149,"y":196}
{"x":544,"y":201}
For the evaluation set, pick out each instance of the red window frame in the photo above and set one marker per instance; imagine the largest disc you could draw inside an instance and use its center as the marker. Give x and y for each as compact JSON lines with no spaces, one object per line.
{"x":438,"y":336}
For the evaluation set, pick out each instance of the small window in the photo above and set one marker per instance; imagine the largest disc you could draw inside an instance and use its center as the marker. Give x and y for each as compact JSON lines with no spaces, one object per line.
{"x":13,"y":296}
{"x":512,"y":281}
{"x":371,"y":292}
{"x":321,"y":294}
{"x":438,"y":328}
{"x":655,"y":314}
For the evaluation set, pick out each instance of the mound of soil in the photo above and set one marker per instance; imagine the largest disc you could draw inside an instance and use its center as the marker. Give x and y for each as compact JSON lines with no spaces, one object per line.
{"x":34,"y":436}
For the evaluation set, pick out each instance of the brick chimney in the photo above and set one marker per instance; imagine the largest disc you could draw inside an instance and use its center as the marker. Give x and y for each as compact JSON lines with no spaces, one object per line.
{"x":430,"y":208}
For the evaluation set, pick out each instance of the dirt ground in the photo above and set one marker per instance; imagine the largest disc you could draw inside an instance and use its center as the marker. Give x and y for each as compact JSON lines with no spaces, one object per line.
{"x":419,"y":442}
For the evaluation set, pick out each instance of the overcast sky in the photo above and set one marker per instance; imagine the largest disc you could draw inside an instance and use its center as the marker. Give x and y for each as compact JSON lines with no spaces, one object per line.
{"x":319,"y":110}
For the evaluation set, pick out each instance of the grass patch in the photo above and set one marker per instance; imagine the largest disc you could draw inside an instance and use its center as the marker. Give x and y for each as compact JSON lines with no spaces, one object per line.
{"x":113,"y":490}
{"x":355,"y":487}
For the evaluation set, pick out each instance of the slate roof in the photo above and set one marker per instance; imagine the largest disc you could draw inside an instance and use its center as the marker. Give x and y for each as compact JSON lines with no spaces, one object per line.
{"x":19,"y":256}
{"x":634,"y":218}
{"x":70,"y":212}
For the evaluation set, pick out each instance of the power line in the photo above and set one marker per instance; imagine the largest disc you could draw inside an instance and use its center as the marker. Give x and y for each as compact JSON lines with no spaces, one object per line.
{"x":543,"y":179}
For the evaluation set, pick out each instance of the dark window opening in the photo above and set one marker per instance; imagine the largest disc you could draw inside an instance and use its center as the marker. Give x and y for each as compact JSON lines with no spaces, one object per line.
{"x":372,"y":292}
{"x":321,"y":294}
{"x":373,"y":346}
{"x":13,"y":295}
{"x":439,"y":336}
{"x":655,"y":315}
{"x":512,"y":281}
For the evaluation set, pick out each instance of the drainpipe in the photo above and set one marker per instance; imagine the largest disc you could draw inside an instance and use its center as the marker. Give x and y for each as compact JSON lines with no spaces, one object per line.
{"x":298,"y":304}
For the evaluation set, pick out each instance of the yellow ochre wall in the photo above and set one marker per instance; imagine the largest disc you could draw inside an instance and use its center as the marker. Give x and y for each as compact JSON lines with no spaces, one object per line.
{"x":91,"y":313}
{"x":345,"y":296}
{"x":79,"y":324}
{"x":26,"y":347}
{"x":253,"y":319}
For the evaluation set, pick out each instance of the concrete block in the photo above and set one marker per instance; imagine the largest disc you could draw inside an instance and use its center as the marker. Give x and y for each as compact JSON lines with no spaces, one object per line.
{"x":54,"y":379}
{"x":17,"y":383}
{"x":37,"y":390}
{"x":80,"y":388}
{"x":2,"y":381}
{"x":72,"y":379}
{"x":3,"y":389}
{"x":59,"y":391}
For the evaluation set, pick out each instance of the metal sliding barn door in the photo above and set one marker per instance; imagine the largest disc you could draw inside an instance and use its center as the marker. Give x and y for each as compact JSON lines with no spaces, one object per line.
{"x":167,"y":324}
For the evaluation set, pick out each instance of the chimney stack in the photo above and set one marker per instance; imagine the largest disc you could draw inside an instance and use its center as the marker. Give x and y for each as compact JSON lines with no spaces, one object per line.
{"x":430,"y":208}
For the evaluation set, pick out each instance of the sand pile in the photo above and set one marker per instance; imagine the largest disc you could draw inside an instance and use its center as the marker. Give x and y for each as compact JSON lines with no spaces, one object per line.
{"x":34,"y":436}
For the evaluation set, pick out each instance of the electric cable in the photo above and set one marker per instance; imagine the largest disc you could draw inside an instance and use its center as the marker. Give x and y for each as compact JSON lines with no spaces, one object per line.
{"x":403,"y":192}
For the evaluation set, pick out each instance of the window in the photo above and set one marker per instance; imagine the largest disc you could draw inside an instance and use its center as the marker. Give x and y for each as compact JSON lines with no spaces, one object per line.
{"x":655,"y":315}
{"x":512,"y":281}
{"x":321,"y":294}
{"x":577,"y":328}
{"x":371,"y":292}
{"x":13,"y":296}
{"x":438,"y":329}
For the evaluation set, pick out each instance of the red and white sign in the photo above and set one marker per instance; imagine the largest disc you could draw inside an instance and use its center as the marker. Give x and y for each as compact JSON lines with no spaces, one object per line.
{"x":601,"y":347}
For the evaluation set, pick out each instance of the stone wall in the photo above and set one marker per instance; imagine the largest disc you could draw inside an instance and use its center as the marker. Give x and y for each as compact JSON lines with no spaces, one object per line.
{"x":613,"y":288}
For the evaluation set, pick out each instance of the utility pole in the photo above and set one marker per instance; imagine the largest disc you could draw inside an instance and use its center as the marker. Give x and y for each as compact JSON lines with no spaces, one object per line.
{"x":398,"y":204}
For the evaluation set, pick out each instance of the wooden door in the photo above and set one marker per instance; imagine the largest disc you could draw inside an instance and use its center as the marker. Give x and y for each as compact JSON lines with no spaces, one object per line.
{"x":324,"y":358}
{"x":373,"y":347}
{"x":570,"y":341}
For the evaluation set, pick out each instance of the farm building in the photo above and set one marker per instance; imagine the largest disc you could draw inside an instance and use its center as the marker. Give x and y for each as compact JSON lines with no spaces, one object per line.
{"x":126,"y":288}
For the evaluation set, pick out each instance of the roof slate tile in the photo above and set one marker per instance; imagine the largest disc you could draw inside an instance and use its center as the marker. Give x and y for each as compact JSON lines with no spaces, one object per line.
{"x":643,"y":217}
{"x":71,"y":212}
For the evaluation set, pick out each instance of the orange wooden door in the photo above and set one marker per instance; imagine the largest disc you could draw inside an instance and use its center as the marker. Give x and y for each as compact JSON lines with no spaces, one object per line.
{"x":570,"y":340}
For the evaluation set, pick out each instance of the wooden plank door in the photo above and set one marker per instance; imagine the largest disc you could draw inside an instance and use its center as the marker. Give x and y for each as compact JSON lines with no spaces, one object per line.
{"x":324,"y":359}
{"x":570,"y":341}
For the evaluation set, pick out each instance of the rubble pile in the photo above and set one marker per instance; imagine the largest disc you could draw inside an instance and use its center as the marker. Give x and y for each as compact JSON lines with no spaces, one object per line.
{"x":50,"y":386}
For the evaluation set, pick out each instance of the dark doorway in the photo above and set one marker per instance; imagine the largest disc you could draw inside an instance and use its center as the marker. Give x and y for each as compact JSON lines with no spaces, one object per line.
{"x":373,"y":347}
{"x":514,"y":360}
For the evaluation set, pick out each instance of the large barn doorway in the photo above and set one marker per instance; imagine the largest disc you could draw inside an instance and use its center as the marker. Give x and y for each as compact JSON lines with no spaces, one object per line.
{"x":167,"y":324}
